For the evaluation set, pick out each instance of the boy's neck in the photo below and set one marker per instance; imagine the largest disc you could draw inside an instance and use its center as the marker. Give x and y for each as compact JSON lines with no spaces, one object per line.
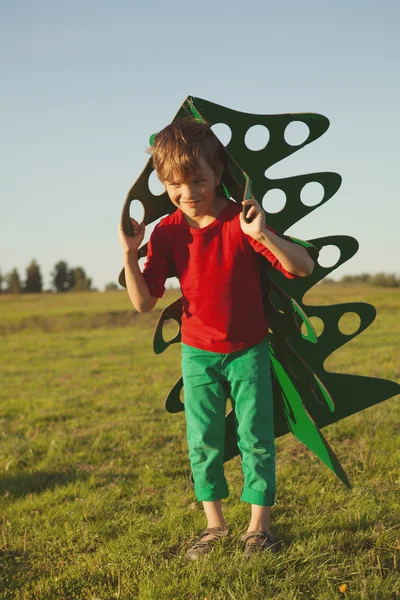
{"x":204,"y":220}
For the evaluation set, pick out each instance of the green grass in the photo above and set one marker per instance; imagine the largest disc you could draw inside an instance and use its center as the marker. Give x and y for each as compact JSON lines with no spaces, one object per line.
{"x":96,"y":499}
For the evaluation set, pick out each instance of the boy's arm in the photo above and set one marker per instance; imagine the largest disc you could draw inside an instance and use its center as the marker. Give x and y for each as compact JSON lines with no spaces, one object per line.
{"x":293,"y":257}
{"x":136,"y":284}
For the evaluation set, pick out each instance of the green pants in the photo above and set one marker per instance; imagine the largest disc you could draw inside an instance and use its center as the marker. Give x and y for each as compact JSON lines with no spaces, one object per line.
{"x":208,"y":379}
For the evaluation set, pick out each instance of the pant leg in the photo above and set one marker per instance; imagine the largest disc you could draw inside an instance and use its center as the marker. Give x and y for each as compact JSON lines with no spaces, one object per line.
{"x":205,"y":407}
{"x":251,"y":393}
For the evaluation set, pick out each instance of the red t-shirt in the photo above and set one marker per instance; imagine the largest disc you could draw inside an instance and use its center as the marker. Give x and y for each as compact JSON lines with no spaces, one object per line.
{"x":218,"y":268}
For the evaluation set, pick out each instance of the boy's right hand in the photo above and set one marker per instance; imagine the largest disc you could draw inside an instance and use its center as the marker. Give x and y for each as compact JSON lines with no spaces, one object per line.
{"x":131,"y":242}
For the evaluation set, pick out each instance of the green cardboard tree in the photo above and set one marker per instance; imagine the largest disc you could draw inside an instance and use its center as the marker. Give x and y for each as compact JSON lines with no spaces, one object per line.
{"x":306,"y":396}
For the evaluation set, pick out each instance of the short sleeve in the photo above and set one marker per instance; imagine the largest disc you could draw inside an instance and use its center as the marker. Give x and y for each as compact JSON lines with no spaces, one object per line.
{"x":158,"y":262}
{"x":261,"y":249}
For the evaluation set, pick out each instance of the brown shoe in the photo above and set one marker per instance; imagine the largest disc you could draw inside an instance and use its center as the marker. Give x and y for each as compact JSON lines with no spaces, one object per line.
{"x":259,"y":541}
{"x":203,"y":546}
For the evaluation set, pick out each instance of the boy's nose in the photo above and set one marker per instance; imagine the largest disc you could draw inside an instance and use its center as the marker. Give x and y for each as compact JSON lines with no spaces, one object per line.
{"x":188,"y":193}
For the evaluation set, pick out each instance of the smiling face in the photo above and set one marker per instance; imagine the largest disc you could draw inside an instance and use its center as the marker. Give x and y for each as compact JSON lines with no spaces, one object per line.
{"x":195,"y":195}
{"x":189,"y":160}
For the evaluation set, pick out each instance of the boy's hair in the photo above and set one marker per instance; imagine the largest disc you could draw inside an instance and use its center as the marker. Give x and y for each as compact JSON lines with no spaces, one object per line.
{"x":177,"y":148}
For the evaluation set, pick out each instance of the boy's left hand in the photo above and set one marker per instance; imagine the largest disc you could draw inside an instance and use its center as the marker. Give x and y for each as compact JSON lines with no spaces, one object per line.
{"x":257,"y":220}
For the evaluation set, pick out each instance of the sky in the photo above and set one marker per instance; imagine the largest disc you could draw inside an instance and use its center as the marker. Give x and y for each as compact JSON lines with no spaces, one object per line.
{"x":85,"y":83}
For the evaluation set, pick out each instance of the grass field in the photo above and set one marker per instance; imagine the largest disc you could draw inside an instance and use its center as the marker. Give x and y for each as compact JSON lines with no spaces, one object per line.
{"x":95,"y":493}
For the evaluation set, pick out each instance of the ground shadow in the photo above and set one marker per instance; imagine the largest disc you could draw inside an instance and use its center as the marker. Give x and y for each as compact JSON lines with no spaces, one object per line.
{"x":18,"y":486}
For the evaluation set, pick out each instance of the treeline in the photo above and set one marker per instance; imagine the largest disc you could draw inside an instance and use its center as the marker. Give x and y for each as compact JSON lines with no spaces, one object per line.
{"x":74,"y":279}
{"x":377,"y":279}
{"x":63,"y":279}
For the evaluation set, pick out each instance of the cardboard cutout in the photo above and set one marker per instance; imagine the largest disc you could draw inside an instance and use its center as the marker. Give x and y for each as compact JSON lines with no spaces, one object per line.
{"x":306,"y":396}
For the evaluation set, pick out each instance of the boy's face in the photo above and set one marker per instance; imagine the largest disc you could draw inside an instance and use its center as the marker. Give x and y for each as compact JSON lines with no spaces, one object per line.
{"x":196,"y":196}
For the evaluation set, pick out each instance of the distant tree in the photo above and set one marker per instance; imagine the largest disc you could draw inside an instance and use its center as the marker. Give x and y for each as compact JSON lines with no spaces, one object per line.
{"x":1,"y":281}
{"x":61,"y":277}
{"x":362,"y":278}
{"x":65,"y":279}
{"x":34,"y":280}
{"x":385,"y":280}
{"x":348,"y":279}
{"x":111,"y":287}
{"x":80,"y":281}
{"x":378,"y":279}
{"x":13,"y":282}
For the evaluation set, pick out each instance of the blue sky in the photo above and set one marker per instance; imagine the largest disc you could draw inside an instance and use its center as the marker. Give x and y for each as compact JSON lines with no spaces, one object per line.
{"x":84,"y":84}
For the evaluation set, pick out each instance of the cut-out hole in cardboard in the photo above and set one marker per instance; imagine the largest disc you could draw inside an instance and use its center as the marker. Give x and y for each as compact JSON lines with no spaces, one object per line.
{"x":349,"y":323}
{"x":302,"y":325}
{"x":136,"y":210}
{"x":329,"y":256}
{"x":274,"y":201}
{"x":312,"y":193}
{"x":317,"y":324}
{"x":155,"y":185}
{"x":142,"y":262}
{"x":257,"y":137}
{"x":172,"y":283}
{"x":296,"y":133}
{"x":170,"y":330}
{"x":223,"y":132}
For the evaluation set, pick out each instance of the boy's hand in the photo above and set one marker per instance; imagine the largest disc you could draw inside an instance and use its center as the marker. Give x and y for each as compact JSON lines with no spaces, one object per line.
{"x":131,"y":242}
{"x":257,"y":220}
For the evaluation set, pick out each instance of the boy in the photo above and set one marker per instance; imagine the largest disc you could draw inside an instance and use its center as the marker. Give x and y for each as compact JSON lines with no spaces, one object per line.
{"x":216,"y":254}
